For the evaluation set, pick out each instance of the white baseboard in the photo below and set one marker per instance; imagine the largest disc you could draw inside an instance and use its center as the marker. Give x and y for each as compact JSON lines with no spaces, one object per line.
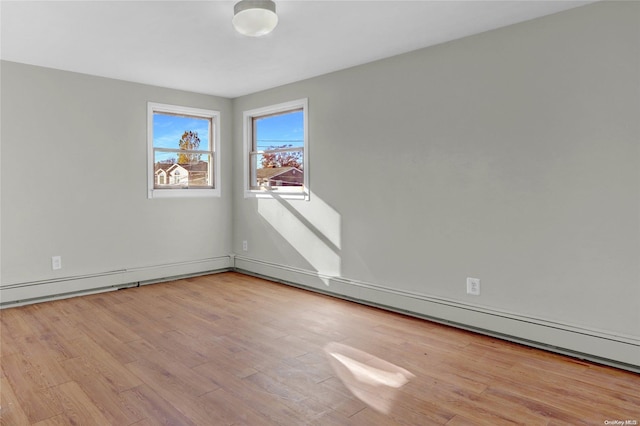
{"x":36,"y":291}
{"x":613,"y":349}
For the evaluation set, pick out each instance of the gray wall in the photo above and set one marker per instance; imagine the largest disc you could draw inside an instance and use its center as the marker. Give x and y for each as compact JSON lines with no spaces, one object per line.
{"x":74,"y":180}
{"x":511,"y":156}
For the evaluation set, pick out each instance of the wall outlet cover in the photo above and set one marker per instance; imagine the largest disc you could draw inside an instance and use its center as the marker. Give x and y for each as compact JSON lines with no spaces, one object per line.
{"x":56,"y":262}
{"x":473,"y":286}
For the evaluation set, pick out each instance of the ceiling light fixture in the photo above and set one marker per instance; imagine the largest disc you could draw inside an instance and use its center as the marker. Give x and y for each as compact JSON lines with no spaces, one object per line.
{"x":255,"y":18}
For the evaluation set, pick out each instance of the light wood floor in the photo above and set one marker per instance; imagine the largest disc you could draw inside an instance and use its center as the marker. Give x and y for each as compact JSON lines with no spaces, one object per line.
{"x":229,"y":349}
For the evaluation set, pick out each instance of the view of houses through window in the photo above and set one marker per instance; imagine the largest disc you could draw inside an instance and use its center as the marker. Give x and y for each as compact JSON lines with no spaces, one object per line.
{"x":181,"y":161}
{"x":182,"y":149}
{"x":277,"y":154}
{"x":183,"y":146}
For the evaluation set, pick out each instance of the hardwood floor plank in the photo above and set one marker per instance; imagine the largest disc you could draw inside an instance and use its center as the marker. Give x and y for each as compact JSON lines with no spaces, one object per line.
{"x":528,"y":406}
{"x":165,"y":342}
{"x":52,"y":329}
{"x":224,"y":360}
{"x":77,"y":408}
{"x":265,"y":403}
{"x":257,"y":343}
{"x":33,"y":370}
{"x":106,"y":321}
{"x":461,"y":421}
{"x":168,"y":376}
{"x":232,"y":410}
{"x":343,"y":403}
{"x":545,"y":386}
{"x":372,"y":417}
{"x":104,"y":393}
{"x":18,"y":334}
{"x":105,"y":338}
{"x":304,"y":408}
{"x":230,"y":349}
{"x":145,"y":422}
{"x":104,"y":364}
{"x":11,"y":412}
{"x":426,"y":411}
{"x":36,"y":402}
{"x":136,"y":312}
{"x":158,"y":410}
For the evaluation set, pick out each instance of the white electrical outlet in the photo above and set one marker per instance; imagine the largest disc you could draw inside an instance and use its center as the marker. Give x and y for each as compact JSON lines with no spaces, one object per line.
{"x":473,"y":286}
{"x":56,"y":262}
{"x":245,"y":246}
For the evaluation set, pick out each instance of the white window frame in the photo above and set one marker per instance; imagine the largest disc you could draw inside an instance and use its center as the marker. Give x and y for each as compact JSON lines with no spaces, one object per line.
{"x":294,"y":193}
{"x":214,"y":151}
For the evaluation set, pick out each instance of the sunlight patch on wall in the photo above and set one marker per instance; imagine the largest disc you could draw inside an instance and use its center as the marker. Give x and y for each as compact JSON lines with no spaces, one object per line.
{"x":313,"y":231}
{"x":323,"y":217}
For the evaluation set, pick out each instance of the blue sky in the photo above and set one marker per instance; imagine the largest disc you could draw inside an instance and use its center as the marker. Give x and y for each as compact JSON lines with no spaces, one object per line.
{"x":274,"y":130}
{"x":278,"y":130}
{"x":168,"y":129}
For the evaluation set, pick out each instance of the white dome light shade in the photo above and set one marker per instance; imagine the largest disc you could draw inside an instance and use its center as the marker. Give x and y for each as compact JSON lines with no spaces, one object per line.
{"x":255,"y":18}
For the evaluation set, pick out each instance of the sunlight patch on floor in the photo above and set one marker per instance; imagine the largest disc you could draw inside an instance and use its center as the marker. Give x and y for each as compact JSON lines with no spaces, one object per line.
{"x":372,"y":380}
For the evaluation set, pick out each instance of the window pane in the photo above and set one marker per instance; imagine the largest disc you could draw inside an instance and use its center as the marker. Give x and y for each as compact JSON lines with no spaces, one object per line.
{"x":178,"y":131}
{"x":268,"y":175}
{"x":166,"y":157}
{"x":182,"y":144}
{"x":170,"y":173}
{"x":276,"y":142}
{"x":283,"y":167}
{"x":280,"y":131}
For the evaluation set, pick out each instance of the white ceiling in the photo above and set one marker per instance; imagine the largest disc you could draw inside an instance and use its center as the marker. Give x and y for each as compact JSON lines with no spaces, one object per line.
{"x":191,"y":45}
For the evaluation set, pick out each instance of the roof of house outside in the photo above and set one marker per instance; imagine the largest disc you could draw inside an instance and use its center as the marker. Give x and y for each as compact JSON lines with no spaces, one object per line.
{"x":269,"y":172}
{"x":201,"y":166}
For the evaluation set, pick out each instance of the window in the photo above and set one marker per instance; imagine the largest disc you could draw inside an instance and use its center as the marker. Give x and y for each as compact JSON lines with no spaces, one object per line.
{"x":183,"y":151}
{"x":276,"y":151}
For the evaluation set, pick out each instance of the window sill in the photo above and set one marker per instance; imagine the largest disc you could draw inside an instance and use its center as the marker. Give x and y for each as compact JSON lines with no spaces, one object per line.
{"x":184,"y":193}
{"x":278,"y":195}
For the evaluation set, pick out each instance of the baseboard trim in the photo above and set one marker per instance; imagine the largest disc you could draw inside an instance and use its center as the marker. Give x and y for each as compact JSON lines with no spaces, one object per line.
{"x":617,"y":350}
{"x":59,"y":288}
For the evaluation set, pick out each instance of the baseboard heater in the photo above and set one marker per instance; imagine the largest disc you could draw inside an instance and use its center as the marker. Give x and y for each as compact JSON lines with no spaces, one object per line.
{"x":64,"y":287}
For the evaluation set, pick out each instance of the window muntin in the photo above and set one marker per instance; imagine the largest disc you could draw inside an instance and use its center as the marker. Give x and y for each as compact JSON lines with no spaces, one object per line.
{"x":183,"y":151}
{"x":276,"y":142}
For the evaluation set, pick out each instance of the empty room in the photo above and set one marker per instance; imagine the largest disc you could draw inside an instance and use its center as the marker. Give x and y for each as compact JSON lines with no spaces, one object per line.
{"x":321,"y":212}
